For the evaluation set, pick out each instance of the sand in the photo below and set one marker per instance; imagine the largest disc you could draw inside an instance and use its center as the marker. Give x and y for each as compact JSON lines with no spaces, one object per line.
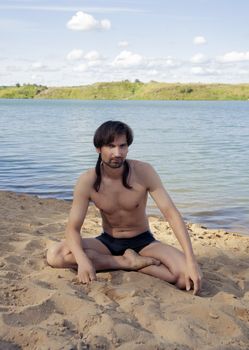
{"x":45,"y":308}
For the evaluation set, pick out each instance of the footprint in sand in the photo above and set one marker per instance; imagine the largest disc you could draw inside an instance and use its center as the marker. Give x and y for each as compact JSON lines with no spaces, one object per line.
{"x":31,"y":315}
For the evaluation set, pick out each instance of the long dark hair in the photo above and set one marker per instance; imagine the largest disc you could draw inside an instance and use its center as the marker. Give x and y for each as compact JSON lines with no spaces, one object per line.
{"x":104,"y":135}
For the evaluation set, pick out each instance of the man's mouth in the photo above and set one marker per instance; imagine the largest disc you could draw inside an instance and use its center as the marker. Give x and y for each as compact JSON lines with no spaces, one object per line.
{"x":117,"y":160}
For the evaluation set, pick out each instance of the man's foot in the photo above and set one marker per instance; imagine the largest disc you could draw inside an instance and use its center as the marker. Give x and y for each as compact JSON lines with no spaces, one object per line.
{"x":136,"y":261}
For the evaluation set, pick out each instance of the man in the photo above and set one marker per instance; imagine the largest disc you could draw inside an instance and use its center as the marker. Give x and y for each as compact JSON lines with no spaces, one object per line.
{"x":119,"y":188}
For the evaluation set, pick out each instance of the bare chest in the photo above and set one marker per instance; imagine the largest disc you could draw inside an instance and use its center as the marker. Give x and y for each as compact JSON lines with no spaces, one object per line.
{"x":112,"y":198}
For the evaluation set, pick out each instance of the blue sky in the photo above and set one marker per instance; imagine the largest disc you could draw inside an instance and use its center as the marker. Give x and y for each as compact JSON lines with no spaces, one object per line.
{"x":80,"y":42}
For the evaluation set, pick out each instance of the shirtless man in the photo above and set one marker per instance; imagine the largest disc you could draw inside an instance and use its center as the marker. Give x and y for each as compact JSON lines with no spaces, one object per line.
{"x":119,"y":188}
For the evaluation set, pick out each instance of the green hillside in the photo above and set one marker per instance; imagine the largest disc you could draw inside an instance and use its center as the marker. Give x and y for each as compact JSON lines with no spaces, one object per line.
{"x":126,"y":90}
{"x":25,"y":91}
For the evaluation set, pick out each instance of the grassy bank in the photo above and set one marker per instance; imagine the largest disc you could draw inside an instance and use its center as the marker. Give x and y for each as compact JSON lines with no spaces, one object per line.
{"x":126,"y":90}
{"x":25,"y":91}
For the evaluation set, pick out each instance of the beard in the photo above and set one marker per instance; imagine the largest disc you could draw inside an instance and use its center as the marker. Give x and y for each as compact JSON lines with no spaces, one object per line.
{"x":114,"y":163}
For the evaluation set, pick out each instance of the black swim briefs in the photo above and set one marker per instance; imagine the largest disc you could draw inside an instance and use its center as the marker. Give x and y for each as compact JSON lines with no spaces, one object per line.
{"x":118,"y":246}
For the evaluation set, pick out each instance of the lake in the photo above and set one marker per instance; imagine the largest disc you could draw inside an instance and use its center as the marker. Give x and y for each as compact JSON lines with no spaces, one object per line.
{"x":199,"y":148}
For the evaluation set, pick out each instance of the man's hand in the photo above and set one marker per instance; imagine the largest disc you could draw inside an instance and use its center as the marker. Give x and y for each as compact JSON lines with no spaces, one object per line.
{"x":193,"y":276}
{"x":86,"y":271}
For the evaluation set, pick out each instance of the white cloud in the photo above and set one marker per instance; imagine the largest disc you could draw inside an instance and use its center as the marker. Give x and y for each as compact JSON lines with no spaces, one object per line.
{"x":243,"y":72}
{"x":152,"y":72}
{"x":75,"y":55}
{"x":81,"y":68}
{"x":205,"y":71}
{"x":162,"y":62}
{"x":234,"y":56}
{"x":38,"y":66}
{"x":83,"y":21}
{"x":92,"y":56}
{"x":123,"y":43}
{"x":169,"y":62}
{"x":197,"y":70}
{"x":94,"y":63}
{"x":198,"y":58}
{"x":92,"y":66}
{"x":127,"y":59}
{"x":90,"y":59}
{"x":105,"y":24}
{"x":36,"y":78}
{"x":199,"y":40}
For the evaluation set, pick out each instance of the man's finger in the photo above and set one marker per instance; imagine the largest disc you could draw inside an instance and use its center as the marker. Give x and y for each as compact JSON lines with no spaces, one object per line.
{"x":197,"y":286}
{"x":84,"y":279}
{"x":93,"y":277}
{"x":187,"y":282}
{"x":87,"y":280}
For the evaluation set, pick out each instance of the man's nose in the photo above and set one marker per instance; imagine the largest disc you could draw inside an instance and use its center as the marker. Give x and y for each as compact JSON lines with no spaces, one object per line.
{"x":117,"y":152}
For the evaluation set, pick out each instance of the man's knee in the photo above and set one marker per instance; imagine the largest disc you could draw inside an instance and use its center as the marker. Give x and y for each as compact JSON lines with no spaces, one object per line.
{"x":54,"y":257}
{"x":180,"y":281}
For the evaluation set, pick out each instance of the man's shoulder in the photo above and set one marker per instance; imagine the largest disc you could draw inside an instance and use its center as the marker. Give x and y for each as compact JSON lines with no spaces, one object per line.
{"x":144,"y":172}
{"x":138,"y":165}
{"x":85,"y":183}
{"x":87,"y":177}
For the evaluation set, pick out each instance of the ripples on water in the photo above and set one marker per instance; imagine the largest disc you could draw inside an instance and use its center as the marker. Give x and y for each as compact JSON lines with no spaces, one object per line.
{"x":200,"y":149}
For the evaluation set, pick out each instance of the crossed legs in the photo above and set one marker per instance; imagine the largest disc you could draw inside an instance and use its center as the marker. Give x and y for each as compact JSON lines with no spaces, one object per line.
{"x":172,"y":267}
{"x":156,"y":259}
{"x":59,"y":255}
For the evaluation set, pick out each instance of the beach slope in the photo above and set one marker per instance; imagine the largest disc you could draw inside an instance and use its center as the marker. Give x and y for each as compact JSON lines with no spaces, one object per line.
{"x":45,"y":308}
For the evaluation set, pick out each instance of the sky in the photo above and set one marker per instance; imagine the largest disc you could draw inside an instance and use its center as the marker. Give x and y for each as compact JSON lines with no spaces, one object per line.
{"x":79,"y":42}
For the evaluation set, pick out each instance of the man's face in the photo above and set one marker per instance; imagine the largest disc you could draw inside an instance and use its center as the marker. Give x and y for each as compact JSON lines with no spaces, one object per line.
{"x":114,"y":154}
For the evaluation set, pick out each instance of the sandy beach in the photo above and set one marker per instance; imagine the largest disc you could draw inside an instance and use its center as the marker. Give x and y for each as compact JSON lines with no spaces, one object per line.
{"x":44,"y":308}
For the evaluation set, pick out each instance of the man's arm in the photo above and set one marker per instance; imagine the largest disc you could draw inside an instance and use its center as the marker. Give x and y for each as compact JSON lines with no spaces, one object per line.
{"x":86,"y":271}
{"x":172,"y":215}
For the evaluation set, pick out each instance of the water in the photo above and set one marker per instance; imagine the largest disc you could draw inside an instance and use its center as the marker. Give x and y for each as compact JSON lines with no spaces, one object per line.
{"x":199,"y":148}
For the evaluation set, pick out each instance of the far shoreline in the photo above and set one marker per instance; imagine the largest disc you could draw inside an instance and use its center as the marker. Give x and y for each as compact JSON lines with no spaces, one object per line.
{"x":126,"y":90}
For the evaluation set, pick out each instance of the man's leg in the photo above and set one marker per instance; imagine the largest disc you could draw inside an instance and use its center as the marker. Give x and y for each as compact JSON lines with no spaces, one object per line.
{"x":59,"y":256}
{"x":172,"y":266}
